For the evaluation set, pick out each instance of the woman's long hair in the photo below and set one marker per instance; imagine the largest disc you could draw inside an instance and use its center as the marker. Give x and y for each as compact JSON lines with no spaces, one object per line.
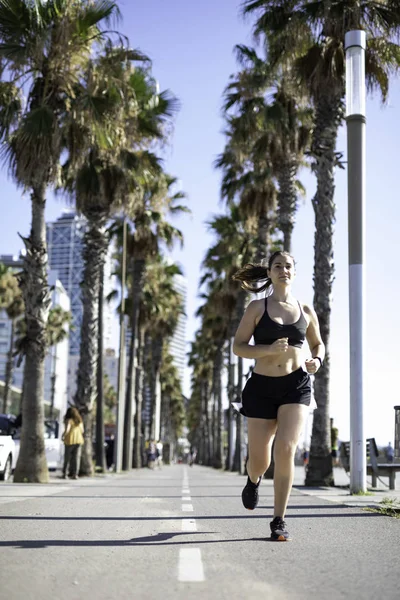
{"x":252,"y":273}
{"x":73,"y":413}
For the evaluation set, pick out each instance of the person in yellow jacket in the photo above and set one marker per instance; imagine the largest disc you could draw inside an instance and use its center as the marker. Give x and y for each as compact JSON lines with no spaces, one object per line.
{"x":73,"y":440}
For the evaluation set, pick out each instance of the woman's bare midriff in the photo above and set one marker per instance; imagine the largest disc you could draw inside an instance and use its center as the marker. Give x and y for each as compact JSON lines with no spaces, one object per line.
{"x":280,"y":365}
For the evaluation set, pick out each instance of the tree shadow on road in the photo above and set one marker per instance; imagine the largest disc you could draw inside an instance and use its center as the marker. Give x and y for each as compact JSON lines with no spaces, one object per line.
{"x":159,"y":539}
{"x":351,"y":515}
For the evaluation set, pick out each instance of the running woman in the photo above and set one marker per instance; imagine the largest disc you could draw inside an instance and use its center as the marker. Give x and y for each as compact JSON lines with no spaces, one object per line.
{"x":275,"y":399}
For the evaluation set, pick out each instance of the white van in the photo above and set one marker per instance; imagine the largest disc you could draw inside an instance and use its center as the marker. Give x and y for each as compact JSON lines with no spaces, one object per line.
{"x":7,"y":446}
{"x":54,"y":447}
{"x":10,"y":444}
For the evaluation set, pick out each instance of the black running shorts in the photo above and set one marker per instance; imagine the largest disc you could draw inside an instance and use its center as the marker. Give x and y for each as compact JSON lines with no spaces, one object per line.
{"x":263,"y":395}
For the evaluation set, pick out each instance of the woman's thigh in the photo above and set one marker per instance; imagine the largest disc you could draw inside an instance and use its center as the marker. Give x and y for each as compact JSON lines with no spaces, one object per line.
{"x":260,"y":434}
{"x":290,"y":422}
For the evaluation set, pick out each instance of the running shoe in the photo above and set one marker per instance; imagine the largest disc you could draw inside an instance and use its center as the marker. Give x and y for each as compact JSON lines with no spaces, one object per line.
{"x":279,"y":533}
{"x":250,"y":494}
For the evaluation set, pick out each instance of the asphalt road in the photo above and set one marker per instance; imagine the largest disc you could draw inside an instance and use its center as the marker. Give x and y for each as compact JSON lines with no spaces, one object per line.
{"x":182,"y":533}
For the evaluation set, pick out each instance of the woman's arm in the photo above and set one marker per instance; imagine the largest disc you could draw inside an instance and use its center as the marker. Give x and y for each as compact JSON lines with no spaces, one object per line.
{"x":241,"y":346}
{"x":67,"y":427}
{"x":316,"y":345}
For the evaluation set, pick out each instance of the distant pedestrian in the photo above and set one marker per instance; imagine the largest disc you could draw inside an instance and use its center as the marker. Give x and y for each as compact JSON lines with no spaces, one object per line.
{"x":73,"y":442}
{"x":151,"y":454}
{"x":334,"y":445}
{"x":277,"y":396}
{"x":192,"y":456}
{"x":159,"y":450}
{"x":389,"y":453}
{"x":306,"y":458}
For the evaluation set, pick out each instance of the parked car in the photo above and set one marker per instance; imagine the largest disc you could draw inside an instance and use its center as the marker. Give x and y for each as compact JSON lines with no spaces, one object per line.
{"x":54,"y":447}
{"x":7,"y":446}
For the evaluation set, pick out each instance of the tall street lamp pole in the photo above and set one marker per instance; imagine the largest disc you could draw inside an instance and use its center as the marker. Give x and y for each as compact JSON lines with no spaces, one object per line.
{"x":355,"y":44}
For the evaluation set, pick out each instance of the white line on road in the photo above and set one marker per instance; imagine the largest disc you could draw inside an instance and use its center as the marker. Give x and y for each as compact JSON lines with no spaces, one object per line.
{"x":189,"y":525}
{"x":190,"y":565}
{"x":187,"y":507}
{"x":186,"y":499}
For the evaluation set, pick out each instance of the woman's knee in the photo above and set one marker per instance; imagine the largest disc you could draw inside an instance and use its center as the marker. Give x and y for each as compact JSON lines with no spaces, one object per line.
{"x":284,"y":449}
{"x":257,"y":466}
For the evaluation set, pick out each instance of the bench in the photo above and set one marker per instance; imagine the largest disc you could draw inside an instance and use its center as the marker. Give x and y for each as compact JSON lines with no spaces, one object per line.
{"x":374,"y":468}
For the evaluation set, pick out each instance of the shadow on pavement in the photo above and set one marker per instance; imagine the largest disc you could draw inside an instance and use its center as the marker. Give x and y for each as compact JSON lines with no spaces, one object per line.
{"x":193,"y":516}
{"x":160,"y":539}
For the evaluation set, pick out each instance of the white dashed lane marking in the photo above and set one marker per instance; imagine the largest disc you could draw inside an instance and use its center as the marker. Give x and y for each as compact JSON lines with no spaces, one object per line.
{"x":190,"y":565}
{"x":190,"y":568}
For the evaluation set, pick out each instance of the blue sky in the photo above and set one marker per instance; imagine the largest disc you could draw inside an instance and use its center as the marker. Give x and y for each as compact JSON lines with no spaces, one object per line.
{"x":191,"y":46}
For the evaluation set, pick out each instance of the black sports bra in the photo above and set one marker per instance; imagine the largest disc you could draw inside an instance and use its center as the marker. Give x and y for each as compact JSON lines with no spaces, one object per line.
{"x":267,"y":331}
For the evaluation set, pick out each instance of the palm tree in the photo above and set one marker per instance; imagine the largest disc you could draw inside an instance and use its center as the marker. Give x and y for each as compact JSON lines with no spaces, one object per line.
{"x":44,"y":48}
{"x":272,"y":114}
{"x":214,"y":328}
{"x":248,"y":180}
{"x":173,"y":410}
{"x":312,"y":35}
{"x":201,"y":360}
{"x":151,"y":228}
{"x":10,"y":300}
{"x":161,"y":308}
{"x":107,"y":179}
{"x":232,"y":249}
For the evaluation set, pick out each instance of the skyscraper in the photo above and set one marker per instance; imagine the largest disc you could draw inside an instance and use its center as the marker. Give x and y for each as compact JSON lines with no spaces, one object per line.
{"x":65,"y":240}
{"x":64,"y":244}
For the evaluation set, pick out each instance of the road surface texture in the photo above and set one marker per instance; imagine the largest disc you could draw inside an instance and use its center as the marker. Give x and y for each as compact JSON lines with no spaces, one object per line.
{"x":181,"y":533}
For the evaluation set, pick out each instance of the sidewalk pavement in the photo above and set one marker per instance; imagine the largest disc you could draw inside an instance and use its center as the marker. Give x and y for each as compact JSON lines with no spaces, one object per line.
{"x":340,"y":492}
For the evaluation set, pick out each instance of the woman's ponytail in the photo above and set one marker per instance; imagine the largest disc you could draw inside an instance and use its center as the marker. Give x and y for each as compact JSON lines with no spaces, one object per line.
{"x":250,"y":274}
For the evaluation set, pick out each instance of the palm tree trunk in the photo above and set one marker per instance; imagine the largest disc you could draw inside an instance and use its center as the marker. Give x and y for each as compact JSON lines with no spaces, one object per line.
{"x":148,"y":398}
{"x":94,"y":253}
{"x":100,"y":441}
{"x":231,"y":395}
{"x":138,"y":267}
{"x":287,"y":201}
{"x":52,"y":393}
{"x":329,"y":115}
{"x":155,"y":388}
{"x":218,"y":447}
{"x":262,"y":242}
{"x":238,"y":459}
{"x":9,"y":369}
{"x":139,"y":378}
{"x":207,"y":423}
{"x":165,"y":433}
{"x":213,"y":422}
{"x":32,"y":465}
{"x":128,"y":419}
